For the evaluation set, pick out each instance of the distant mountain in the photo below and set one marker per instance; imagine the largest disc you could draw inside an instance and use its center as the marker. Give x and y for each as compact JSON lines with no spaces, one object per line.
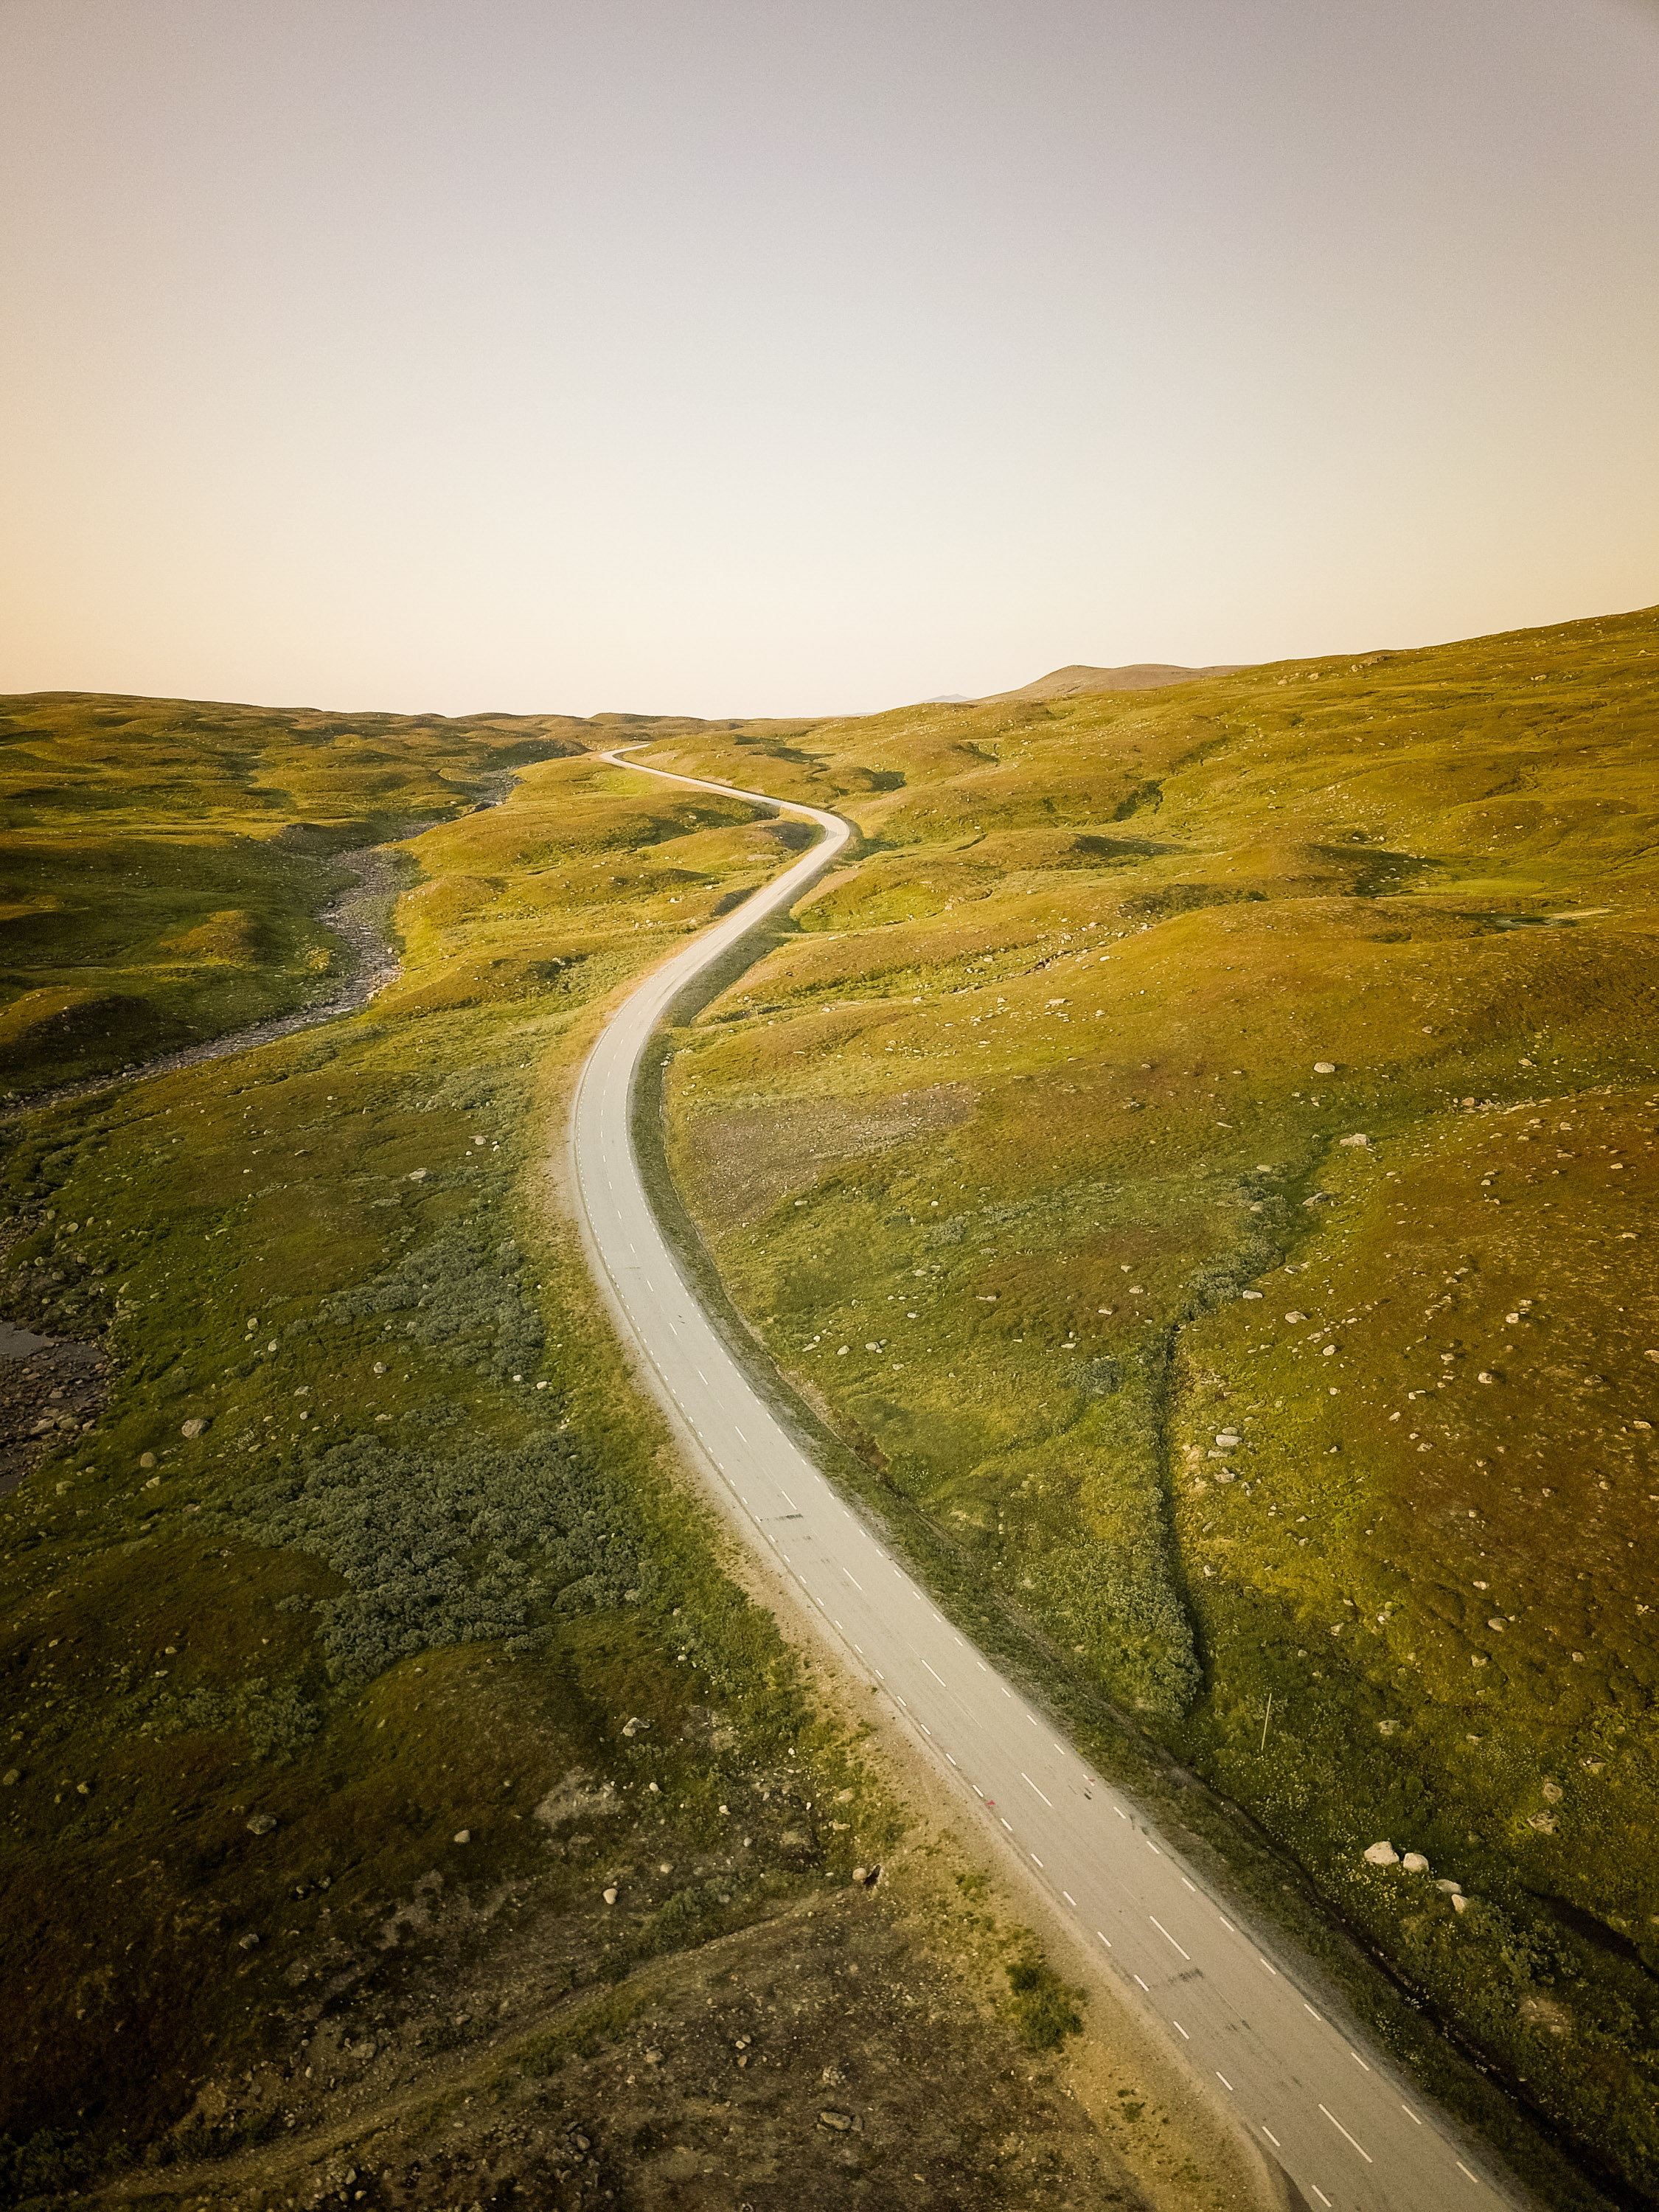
{"x":1140,"y":675}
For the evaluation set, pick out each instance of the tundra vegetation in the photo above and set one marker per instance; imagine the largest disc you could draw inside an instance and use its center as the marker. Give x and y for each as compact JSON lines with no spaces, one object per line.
{"x":1198,"y":1156}
{"x":403,"y":1799}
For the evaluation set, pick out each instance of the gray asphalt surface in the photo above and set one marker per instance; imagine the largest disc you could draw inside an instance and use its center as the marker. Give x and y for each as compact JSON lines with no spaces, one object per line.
{"x":1347,"y":2132}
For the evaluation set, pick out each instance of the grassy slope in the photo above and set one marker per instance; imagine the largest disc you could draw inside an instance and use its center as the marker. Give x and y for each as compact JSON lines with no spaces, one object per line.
{"x":161,"y":859}
{"x":1017,"y":1155}
{"x":395,"y":1591}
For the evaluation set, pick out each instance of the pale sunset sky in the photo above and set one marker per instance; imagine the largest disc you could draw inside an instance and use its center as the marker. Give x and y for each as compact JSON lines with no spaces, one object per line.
{"x":762,"y":357}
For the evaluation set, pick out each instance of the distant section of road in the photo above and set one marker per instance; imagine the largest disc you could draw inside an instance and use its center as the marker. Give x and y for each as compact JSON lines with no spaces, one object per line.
{"x":1346,"y":2131}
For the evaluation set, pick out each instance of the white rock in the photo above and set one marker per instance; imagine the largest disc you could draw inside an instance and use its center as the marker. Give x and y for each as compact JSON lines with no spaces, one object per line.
{"x":1382,"y":1855}
{"x":464,"y":1835}
{"x":1324,"y":1067}
{"x":1460,"y":1903}
{"x":610,"y":1896}
{"x":1294,"y":1314}
{"x":1415,"y":1862}
{"x":1448,"y":1888}
{"x":1353,"y":1140}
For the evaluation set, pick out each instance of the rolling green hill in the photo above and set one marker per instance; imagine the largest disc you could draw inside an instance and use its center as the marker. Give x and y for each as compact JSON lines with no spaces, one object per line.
{"x":404,"y":1798}
{"x":1199,"y":1156}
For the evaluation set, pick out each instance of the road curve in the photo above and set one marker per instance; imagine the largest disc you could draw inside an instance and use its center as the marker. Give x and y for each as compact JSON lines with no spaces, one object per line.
{"x":1346,"y":2130}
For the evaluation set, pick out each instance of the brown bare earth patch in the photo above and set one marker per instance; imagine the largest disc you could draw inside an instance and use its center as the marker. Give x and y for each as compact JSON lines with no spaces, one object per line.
{"x":747,"y":1158}
{"x":795,"y":2063}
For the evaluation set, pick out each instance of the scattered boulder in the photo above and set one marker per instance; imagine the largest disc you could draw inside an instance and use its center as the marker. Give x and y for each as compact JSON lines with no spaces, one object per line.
{"x":1460,"y":1903}
{"x":1324,"y":1067}
{"x":843,"y":2123}
{"x":1381,"y":1855}
{"x":1360,"y":1140}
{"x":610,"y":1896}
{"x":635,"y":1726}
{"x":1295,"y":1313}
{"x":1449,"y":1888}
{"x":1415,"y":1862}
{"x":13,"y":1774}
{"x":196,"y":1425}
{"x":462,"y":1835}
{"x":248,"y":1943}
{"x":261,"y":1825}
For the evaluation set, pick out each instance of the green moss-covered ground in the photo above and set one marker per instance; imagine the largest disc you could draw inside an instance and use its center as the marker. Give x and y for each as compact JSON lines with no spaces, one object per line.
{"x":1200,"y":1154}
{"x":396,"y":1778}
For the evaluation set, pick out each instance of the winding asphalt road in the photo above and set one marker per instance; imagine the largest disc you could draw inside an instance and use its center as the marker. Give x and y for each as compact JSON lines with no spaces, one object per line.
{"x":1346,"y":2130}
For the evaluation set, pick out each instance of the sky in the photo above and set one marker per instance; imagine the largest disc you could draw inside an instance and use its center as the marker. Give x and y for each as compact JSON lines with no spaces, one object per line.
{"x":778,"y":357}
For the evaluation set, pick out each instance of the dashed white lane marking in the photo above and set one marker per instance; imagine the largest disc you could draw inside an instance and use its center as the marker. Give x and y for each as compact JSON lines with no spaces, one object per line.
{"x":1411,"y":2115}
{"x":1176,"y":2024}
{"x":1271,"y":2136}
{"x":935,"y":1672}
{"x":1358,"y":2062}
{"x":1106,"y":1940}
{"x":1168,"y":1938}
{"x":1463,"y":2169}
{"x":1069,"y":1898}
{"x":1314,"y":2185}
{"x":1222,"y":2078}
{"x":853,"y":1578}
{"x":1261,"y":1961}
{"x":1343,"y":2132}
{"x":1143,"y":1984}
{"x":1026,"y":1778}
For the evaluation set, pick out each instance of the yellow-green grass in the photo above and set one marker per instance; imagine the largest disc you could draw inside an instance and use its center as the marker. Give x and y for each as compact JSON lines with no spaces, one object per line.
{"x":162,"y":860}
{"x":377,"y":1608}
{"x":1041,"y":1071}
